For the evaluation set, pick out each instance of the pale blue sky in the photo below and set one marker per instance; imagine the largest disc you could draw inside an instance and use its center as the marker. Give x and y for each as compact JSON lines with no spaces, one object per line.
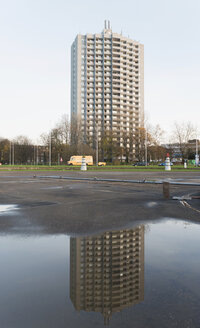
{"x":35,"y":41}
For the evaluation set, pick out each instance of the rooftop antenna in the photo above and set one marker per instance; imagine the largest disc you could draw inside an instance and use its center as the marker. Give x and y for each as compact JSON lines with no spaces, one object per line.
{"x":109,"y":25}
{"x":105,"y":23}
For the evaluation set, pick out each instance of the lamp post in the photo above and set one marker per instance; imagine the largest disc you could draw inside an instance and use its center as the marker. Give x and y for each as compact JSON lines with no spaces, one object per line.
{"x":97,"y":145}
{"x":37,"y":159}
{"x":197,"y":155}
{"x":50,"y":149}
{"x":13,"y":153}
{"x":34,"y":160}
{"x":146,"y":147}
{"x":10,"y":156}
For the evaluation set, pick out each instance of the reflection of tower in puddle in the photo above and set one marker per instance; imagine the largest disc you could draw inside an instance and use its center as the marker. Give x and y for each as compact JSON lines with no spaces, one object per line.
{"x":107,"y":271}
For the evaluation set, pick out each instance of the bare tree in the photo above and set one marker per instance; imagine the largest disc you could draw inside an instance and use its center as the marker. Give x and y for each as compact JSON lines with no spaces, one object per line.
{"x":22,"y":140}
{"x":127,"y":148}
{"x":156,"y":133}
{"x":4,"y":150}
{"x":110,"y":147}
{"x":63,"y":128}
{"x":182,"y":133}
{"x":142,"y":137}
{"x":66,"y":140}
{"x":24,"y":150}
{"x":75,"y":132}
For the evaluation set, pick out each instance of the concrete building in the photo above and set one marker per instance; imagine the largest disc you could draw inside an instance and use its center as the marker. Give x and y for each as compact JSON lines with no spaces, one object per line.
{"x":186,"y":150}
{"x":107,"y":271}
{"x":107,"y":85}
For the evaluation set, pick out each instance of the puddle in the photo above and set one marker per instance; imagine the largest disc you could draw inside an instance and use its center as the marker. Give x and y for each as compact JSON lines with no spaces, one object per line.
{"x":152,"y":204}
{"x":7,"y":208}
{"x":147,"y":276}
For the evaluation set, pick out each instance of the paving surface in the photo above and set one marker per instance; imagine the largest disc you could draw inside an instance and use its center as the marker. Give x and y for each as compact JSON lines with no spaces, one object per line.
{"x":46,"y":206}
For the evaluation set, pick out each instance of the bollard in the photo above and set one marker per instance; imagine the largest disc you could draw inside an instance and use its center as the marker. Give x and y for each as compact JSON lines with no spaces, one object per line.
{"x":196,"y":158}
{"x":166,"y":192}
{"x":167,"y":163}
{"x":83,"y":165}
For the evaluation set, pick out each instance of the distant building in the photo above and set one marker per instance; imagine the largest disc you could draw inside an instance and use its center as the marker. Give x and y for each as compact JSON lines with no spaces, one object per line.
{"x":107,"y":271}
{"x":191,"y":147}
{"x":107,"y":85}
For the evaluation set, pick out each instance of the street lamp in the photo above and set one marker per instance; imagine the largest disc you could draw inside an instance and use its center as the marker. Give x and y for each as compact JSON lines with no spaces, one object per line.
{"x":34,"y":161}
{"x":50,"y":149}
{"x":97,"y":144}
{"x":37,"y":159}
{"x":197,"y":155}
{"x":10,"y":157}
{"x":146,"y":147}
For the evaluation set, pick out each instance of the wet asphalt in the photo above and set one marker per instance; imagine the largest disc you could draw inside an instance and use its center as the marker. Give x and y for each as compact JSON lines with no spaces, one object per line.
{"x":59,"y":206}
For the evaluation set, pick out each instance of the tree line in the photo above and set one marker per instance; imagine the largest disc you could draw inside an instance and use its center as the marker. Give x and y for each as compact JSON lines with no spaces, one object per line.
{"x":65,"y":139}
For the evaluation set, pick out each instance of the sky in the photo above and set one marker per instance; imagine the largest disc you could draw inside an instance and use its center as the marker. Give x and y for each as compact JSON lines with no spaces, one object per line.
{"x":35,"y":42}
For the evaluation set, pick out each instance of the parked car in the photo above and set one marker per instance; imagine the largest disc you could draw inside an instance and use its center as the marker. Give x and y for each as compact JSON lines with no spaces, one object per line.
{"x":163,"y":164}
{"x":102,"y":164}
{"x":140,"y":164}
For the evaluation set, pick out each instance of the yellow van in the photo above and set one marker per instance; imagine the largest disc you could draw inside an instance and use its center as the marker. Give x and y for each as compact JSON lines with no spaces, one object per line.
{"x":77,"y":160}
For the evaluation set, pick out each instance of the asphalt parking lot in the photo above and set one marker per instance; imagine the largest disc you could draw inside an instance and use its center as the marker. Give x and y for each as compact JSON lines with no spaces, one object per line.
{"x":53,"y":206}
{"x":45,"y":223}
